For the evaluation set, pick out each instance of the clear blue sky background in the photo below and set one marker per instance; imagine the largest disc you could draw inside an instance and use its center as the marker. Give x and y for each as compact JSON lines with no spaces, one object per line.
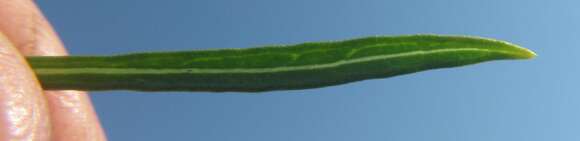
{"x":534,"y":100}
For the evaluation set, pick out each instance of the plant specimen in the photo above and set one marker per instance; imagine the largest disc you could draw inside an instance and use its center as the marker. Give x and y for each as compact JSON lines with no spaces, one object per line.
{"x":267,"y":68}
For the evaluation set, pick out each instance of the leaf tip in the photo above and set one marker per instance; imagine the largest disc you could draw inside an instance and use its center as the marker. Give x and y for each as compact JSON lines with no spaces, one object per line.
{"x":516,"y":51}
{"x":523,"y":53}
{"x":529,"y":54}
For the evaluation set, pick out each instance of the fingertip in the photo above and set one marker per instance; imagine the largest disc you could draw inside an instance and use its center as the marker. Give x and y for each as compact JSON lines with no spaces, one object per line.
{"x":23,"y":108}
{"x":32,"y":34}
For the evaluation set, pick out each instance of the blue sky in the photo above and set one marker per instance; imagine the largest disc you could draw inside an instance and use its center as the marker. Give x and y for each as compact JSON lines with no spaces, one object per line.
{"x":531,"y":100}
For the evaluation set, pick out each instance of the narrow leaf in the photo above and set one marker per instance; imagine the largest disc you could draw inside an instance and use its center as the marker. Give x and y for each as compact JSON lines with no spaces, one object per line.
{"x":267,"y":68}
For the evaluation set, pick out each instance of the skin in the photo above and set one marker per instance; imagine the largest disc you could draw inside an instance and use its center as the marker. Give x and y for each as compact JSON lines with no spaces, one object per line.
{"x":26,"y":111}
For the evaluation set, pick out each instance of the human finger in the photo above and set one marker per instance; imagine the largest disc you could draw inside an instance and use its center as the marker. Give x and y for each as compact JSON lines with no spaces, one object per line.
{"x":23,"y":109}
{"x":72,"y":114}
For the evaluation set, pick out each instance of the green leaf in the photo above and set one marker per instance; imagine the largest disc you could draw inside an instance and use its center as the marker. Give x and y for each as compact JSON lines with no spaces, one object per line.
{"x":267,"y":68}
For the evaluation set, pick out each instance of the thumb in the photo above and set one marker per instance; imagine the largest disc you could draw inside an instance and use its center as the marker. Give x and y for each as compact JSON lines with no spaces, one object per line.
{"x":23,"y":108}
